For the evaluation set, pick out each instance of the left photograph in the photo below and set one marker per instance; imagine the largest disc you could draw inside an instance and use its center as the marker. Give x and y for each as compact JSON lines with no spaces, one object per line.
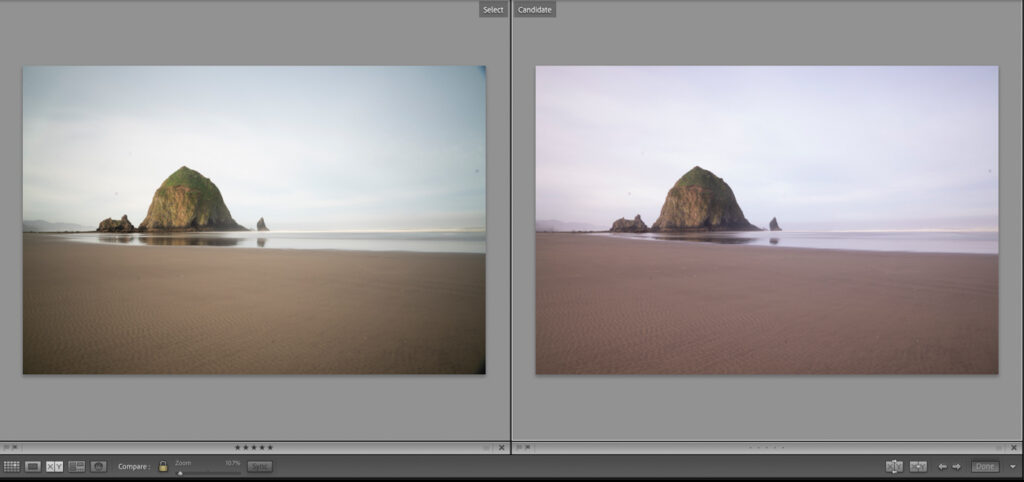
{"x":253,"y":220}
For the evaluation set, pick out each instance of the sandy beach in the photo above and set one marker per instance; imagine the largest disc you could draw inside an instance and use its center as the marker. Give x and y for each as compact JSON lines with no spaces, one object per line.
{"x":110,"y":309}
{"x":608,"y":305}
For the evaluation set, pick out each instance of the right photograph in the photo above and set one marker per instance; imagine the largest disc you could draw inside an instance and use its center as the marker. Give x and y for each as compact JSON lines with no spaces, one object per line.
{"x":788,"y":220}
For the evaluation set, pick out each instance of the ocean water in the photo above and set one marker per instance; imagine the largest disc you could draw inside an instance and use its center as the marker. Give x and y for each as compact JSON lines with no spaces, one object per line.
{"x":978,"y":242}
{"x":414,"y":241}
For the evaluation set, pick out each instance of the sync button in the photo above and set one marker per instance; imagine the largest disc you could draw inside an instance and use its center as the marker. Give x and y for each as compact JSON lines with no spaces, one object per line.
{"x":260,"y":466}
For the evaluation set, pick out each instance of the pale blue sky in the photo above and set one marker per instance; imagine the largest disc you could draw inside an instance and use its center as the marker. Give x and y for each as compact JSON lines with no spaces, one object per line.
{"x":831,"y":148}
{"x":307,"y":148}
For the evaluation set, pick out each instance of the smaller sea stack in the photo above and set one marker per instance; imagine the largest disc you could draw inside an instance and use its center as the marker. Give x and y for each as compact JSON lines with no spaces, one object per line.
{"x":110,"y":226}
{"x":623,"y":225}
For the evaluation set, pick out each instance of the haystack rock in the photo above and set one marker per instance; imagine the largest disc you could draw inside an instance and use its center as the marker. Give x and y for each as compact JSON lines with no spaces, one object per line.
{"x":774,"y":225}
{"x":110,"y":226}
{"x":261,"y":225}
{"x":188,"y":201}
{"x":701,"y":201}
{"x":623,"y":225}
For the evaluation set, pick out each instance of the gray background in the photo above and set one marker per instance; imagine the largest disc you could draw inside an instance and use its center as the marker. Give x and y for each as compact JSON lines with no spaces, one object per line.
{"x":907,"y":408}
{"x":563,"y":407}
{"x":466,"y":407}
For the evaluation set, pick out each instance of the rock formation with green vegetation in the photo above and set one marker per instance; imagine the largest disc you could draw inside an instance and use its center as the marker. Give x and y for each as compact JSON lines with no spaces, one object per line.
{"x":623,"y":225}
{"x":701,"y":201}
{"x":188,"y":201}
{"x":110,"y":226}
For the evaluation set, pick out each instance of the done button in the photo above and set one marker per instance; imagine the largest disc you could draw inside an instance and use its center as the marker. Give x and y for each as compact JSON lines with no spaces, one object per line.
{"x":985,"y":466}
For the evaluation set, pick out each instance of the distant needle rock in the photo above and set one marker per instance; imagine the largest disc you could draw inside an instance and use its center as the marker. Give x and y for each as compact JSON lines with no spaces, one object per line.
{"x":623,"y":225}
{"x":110,"y":226}
{"x":774,"y":225}
{"x":261,"y":225}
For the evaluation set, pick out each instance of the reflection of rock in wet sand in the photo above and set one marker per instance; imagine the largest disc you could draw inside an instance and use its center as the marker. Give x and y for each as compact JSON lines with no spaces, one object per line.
{"x":188,"y":241}
{"x":261,"y":242}
{"x":774,"y":240}
{"x":708,"y":239}
{"x":124,"y":238}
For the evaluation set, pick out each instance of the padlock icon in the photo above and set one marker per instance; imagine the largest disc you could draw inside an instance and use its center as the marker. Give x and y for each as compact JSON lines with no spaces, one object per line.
{"x":162,"y":467}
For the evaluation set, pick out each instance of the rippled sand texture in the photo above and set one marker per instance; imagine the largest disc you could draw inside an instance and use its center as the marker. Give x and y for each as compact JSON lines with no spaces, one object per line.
{"x":608,"y":305}
{"x":213,"y":310}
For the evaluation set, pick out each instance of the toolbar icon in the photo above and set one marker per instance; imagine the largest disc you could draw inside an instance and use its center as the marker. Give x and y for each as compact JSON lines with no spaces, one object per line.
{"x":33,"y":466}
{"x":98,"y":466}
{"x":894,"y":466}
{"x":162,"y":467}
{"x":76,"y":466}
{"x":12,"y":466}
{"x":54,"y":466}
{"x":918,"y":466}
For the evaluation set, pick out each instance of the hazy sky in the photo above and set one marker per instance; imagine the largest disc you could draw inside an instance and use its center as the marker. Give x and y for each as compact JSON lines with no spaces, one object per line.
{"x":304,"y":147}
{"x":817,"y":147}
